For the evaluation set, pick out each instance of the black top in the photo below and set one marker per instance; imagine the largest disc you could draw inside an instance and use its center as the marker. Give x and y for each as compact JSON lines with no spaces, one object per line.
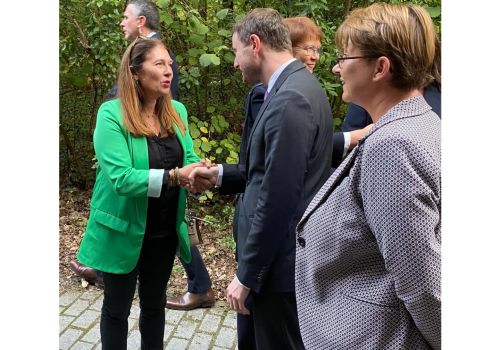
{"x":164,"y":153}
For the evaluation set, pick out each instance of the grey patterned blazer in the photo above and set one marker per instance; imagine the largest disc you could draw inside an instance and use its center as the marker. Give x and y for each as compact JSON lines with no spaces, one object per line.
{"x":368,"y":257}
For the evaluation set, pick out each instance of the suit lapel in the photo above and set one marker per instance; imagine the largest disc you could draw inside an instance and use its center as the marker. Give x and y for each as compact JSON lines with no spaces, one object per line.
{"x":289,"y":70}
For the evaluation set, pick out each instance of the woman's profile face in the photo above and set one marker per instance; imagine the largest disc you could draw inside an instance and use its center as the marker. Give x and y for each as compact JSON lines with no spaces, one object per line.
{"x":156,"y":74}
{"x":354,"y":75}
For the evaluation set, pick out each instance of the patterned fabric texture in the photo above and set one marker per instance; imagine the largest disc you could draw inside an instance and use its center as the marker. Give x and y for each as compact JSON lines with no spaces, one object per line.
{"x":368,"y":257}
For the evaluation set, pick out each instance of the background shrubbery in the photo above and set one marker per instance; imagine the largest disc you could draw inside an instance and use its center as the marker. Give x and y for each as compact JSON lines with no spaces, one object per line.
{"x":199,"y":33}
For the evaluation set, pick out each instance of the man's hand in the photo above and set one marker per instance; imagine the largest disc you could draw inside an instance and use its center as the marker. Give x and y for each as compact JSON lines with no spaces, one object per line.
{"x":357,"y":135}
{"x":186,"y":170}
{"x":203,"y":178}
{"x":236,"y":294}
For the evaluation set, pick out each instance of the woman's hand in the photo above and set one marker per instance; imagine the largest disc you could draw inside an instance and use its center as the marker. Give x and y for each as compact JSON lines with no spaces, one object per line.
{"x":186,"y":170}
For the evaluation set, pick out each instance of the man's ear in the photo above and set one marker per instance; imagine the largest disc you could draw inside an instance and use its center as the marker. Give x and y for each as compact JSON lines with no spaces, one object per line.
{"x":141,"y":21}
{"x":256,"y":43}
{"x":382,"y":69}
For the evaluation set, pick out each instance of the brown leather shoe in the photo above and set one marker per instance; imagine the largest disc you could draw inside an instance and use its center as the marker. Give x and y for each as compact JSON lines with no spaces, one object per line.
{"x":85,"y":272}
{"x":190,"y":301}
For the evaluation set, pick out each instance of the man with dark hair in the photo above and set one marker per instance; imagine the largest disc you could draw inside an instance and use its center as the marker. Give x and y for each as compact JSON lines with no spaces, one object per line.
{"x":141,"y":18}
{"x":288,"y":158}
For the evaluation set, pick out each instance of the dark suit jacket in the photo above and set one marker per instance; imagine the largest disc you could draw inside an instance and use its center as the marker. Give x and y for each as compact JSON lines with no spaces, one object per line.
{"x":174,"y":86}
{"x":357,"y":118}
{"x":285,"y":166}
{"x":253,"y":102}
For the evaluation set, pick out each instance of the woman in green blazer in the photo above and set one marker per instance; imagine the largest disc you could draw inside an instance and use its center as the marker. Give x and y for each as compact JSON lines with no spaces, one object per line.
{"x":137,"y":213}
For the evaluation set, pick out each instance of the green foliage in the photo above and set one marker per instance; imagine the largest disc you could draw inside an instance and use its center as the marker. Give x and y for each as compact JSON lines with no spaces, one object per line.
{"x":199,"y":33}
{"x":227,"y":241}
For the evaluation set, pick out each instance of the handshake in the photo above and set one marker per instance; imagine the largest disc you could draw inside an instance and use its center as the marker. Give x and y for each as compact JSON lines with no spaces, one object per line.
{"x":197,"y":177}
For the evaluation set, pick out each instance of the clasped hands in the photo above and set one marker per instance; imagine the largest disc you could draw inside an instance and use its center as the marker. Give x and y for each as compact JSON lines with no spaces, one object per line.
{"x":198,"y":177}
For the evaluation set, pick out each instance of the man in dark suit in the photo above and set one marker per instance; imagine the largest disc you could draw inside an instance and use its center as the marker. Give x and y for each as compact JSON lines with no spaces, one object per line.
{"x":287,"y":161}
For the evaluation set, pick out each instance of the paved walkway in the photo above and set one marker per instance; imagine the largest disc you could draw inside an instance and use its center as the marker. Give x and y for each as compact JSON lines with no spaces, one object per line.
{"x":79,"y":315}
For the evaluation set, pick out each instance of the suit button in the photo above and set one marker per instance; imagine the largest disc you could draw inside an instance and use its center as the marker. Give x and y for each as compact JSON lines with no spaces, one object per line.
{"x":302,"y":242}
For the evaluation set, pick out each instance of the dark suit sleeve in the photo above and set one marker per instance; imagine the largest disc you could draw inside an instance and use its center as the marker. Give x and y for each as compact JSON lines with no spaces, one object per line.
{"x":432,"y":95}
{"x":355,"y":118}
{"x":288,"y":136}
{"x":174,"y":87}
{"x":338,"y":148}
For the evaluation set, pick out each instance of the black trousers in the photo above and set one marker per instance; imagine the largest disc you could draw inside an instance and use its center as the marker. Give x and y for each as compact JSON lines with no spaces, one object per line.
{"x":273,"y":317}
{"x":153,"y":270}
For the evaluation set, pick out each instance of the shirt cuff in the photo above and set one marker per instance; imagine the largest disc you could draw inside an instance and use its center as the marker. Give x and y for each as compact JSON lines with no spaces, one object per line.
{"x":347,"y":142}
{"x":241,"y":284}
{"x":218,"y":183}
{"x":155,"y":182}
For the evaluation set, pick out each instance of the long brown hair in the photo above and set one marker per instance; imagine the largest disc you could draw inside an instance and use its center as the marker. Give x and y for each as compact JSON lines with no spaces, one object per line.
{"x":131,"y":95}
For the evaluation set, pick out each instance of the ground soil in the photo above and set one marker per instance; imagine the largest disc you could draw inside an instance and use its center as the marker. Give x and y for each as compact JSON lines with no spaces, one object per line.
{"x":73,"y":214}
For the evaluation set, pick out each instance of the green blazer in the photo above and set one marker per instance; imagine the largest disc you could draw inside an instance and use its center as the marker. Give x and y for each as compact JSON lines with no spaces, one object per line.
{"x":118,"y":208}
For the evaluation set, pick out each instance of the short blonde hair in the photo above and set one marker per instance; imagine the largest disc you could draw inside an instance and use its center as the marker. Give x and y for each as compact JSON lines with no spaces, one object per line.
{"x":130,"y":92}
{"x":404,"y":33}
{"x":302,"y":29}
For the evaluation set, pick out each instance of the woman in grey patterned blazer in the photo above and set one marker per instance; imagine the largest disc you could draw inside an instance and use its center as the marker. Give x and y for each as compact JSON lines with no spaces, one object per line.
{"x":369,"y":244}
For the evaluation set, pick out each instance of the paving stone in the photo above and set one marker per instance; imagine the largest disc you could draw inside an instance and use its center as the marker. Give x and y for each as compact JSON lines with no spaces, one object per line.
{"x":61,"y":309}
{"x":210,"y":323}
{"x":230,"y":320}
{"x":135,"y":311}
{"x":86,"y":319}
{"x":93,"y":335}
{"x":134,"y":340}
{"x":132,"y":324}
{"x":226,"y":337}
{"x":68,"y":338}
{"x":218,"y":309}
{"x":68,"y":297}
{"x":196,"y":314}
{"x":90,"y":295}
{"x":82,"y":346}
{"x":177,"y":344}
{"x":97,"y":305}
{"x":76,"y":308}
{"x":201,"y":341}
{"x":173,"y":316}
{"x":64,"y":322}
{"x":98,"y":347}
{"x":185,"y":329}
{"x":168,"y":331}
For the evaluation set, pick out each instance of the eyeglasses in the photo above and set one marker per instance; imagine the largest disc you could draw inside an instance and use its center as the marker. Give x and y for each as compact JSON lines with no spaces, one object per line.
{"x":343,"y":57}
{"x":311,"y":50}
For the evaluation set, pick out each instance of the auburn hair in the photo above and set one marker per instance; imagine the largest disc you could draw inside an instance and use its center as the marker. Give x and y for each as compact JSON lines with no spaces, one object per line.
{"x":131,"y":95}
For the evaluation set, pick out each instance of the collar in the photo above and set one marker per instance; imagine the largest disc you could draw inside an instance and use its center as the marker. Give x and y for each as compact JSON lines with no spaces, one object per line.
{"x":277,"y":73}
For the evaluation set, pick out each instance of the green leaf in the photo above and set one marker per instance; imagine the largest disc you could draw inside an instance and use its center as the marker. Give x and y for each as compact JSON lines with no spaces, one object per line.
{"x":210,"y":109}
{"x":163,"y":4}
{"x":218,"y":150}
{"x":204,"y":130}
{"x":433,"y":11}
{"x":197,"y":142}
{"x":209,"y":58}
{"x":222,"y":13}
{"x":225,"y":33}
{"x":196,"y":26}
{"x":165,"y":16}
{"x":229,"y":57}
{"x":206,"y":147}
